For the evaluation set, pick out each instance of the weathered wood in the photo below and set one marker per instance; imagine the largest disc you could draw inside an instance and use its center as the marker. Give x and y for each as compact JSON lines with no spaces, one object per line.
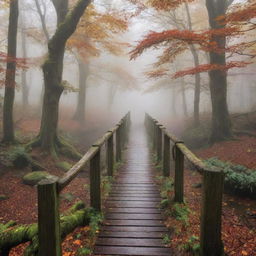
{"x":48,"y":218}
{"x":118,"y":250}
{"x":110,"y":156}
{"x":118,"y":145}
{"x":197,"y":162}
{"x":133,"y":218}
{"x":210,"y":237}
{"x":95,"y":190}
{"x":179,"y":175}
{"x":131,"y":234}
{"x":159,"y":143}
{"x":166,"y":156}
{"x":134,"y":229}
{"x":138,"y":242}
{"x":73,"y":172}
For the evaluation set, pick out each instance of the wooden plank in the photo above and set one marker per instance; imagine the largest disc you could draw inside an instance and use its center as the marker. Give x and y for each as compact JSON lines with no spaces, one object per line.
{"x":118,"y":250}
{"x":137,"y":223}
{"x":132,"y":234}
{"x":134,"y":228}
{"x":132,"y":204}
{"x":140,"y":242}
{"x":134,"y":199}
{"x":133,"y":216}
{"x":133,"y":210}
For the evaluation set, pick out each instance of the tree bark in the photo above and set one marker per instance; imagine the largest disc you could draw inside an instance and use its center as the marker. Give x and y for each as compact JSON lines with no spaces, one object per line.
{"x":184,"y":101}
{"x":52,"y":68}
{"x":24,"y":85}
{"x":197,"y":75}
{"x":8,"y":127}
{"x":221,"y":124}
{"x":81,"y":99}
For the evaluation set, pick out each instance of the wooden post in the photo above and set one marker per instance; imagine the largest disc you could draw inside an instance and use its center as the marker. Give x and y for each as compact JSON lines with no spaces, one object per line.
{"x":95,"y":192}
{"x":166,"y":156}
{"x":110,"y":156}
{"x":118,"y":145}
{"x":48,"y":218}
{"x":179,"y":175}
{"x":154,"y":136}
{"x":210,"y":237}
{"x":159,"y":143}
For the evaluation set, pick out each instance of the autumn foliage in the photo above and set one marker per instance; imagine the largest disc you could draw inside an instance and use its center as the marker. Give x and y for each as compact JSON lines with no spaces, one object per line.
{"x":237,"y":27}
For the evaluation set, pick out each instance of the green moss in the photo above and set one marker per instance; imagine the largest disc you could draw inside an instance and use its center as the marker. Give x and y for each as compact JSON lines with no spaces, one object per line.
{"x":238,"y":178}
{"x":33,"y":178}
{"x":65,"y":166}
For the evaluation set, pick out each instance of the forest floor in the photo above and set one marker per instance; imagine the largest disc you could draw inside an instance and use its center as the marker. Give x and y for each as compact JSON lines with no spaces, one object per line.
{"x":239,"y":222}
{"x":239,"y":213}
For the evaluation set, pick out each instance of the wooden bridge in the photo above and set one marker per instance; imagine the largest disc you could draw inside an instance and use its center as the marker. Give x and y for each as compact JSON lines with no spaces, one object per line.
{"x":133,"y":223}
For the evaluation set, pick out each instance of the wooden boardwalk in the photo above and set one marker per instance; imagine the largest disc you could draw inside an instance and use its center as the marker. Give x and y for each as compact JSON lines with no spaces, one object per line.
{"x":133,"y":222}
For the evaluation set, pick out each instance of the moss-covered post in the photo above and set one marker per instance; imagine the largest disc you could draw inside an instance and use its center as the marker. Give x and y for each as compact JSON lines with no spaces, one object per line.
{"x":110,"y":156}
{"x":159,"y":142}
{"x":95,"y":192}
{"x":118,"y":145}
{"x":210,"y":236}
{"x":166,"y":156}
{"x":48,"y":218}
{"x":179,"y":175}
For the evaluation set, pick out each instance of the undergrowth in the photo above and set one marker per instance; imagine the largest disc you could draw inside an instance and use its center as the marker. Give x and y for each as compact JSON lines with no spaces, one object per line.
{"x":238,"y":178}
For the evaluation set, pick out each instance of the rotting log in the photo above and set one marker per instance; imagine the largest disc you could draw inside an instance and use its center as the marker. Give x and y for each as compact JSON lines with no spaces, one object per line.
{"x":19,"y":234}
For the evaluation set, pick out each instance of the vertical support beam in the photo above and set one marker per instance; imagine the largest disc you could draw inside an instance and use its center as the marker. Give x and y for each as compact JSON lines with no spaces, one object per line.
{"x":179,"y":175}
{"x":210,"y":236}
{"x":110,"y":156}
{"x":154,"y":135}
{"x":118,"y":145}
{"x":95,"y":192}
{"x":166,"y":156}
{"x":159,"y":144}
{"x":48,"y":218}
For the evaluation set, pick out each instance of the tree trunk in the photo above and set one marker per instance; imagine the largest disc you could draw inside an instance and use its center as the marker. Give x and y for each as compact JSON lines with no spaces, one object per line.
{"x":221,"y":124}
{"x":8,"y":127}
{"x":111,"y":95}
{"x":184,"y":102}
{"x":81,"y":99}
{"x":197,"y":75}
{"x":52,"y":69}
{"x":24,"y":85}
{"x":12,"y":236}
{"x":173,"y":102}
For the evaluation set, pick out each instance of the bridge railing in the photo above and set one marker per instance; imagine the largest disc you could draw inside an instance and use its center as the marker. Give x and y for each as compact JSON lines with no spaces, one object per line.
{"x":212,"y":189}
{"x":49,"y":190}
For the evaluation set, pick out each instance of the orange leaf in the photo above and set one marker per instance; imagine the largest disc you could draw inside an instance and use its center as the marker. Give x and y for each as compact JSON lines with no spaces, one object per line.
{"x":77,"y":242}
{"x":244,"y":253}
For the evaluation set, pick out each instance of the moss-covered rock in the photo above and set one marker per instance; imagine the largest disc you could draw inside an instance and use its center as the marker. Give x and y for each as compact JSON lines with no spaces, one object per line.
{"x":33,"y":178}
{"x":65,"y":166}
{"x":3,"y":197}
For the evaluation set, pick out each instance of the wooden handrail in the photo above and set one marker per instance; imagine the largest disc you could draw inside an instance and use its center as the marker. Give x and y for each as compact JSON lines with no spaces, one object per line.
{"x":75,"y":169}
{"x":49,"y":190}
{"x":212,"y":190}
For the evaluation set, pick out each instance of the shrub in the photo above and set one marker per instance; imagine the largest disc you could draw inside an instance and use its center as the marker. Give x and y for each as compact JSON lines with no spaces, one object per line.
{"x":238,"y":178}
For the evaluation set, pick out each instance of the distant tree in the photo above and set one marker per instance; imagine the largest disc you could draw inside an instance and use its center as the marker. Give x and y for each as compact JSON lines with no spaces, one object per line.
{"x":8,"y":126}
{"x":96,"y":32}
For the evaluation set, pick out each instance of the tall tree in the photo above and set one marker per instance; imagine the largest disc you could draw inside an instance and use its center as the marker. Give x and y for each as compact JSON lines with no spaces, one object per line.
{"x":48,"y":138}
{"x":8,"y":126}
{"x":221,"y":124}
{"x":223,"y":24}
{"x":24,"y":85}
